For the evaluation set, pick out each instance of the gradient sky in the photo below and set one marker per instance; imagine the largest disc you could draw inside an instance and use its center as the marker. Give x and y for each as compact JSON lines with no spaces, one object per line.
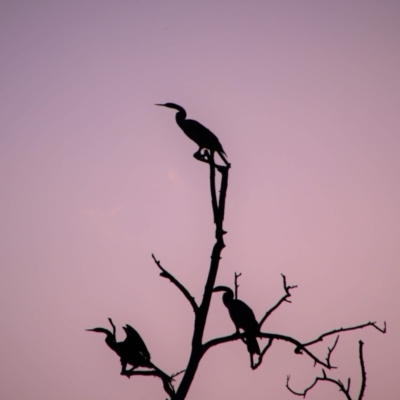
{"x":303,"y":95}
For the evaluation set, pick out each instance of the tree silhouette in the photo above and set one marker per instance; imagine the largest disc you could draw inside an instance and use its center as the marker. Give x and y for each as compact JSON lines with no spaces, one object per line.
{"x":241,"y":315}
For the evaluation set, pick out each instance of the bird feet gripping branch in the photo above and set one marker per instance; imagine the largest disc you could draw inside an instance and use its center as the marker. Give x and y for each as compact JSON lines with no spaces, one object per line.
{"x":201,"y":156}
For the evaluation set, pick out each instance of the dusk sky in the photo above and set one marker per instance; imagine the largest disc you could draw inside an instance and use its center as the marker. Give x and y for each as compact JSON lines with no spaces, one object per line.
{"x":304,"y":96}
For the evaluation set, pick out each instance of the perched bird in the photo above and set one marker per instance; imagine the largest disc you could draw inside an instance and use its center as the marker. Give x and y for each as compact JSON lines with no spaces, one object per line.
{"x":243,"y":318}
{"x":131,"y":351}
{"x":204,"y":138}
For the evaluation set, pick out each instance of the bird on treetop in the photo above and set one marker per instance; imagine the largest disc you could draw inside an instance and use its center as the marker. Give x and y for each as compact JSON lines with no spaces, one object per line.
{"x":202,"y":136}
{"x":243,"y":318}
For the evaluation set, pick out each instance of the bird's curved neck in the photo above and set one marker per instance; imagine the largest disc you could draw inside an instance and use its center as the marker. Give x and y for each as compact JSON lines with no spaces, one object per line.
{"x":180,"y":116}
{"x":110,"y":340}
{"x":227,"y":298}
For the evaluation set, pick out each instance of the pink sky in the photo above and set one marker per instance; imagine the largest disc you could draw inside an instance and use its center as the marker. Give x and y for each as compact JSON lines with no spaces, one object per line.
{"x":304,"y":97}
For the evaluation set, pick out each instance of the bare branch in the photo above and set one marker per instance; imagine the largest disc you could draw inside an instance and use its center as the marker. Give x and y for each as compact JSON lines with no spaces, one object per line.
{"x":202,"y":311}
{"x":132,"y":372}
{"x":166,"y":380}
{"x":173,"y":376}
{"x":330,"y":350}
{"x":212,"y":188}
{"x":287,"y":289}
{"x":317,"y":379}
{"x":298,"y":346}
{"x":261,"y":356}
{"x":305,"y":390}
{"x":352,"y":328}
{"x":224,"y":171}
{"x":338,"y":382}
{"x":236,"y":284}
{"x":177,"y":373}
{"x":328,"y":365}
{"x":299,"y":349}
{"x":363,"y":373}
{"x":348,"y":384}
{"x":165,"y":274}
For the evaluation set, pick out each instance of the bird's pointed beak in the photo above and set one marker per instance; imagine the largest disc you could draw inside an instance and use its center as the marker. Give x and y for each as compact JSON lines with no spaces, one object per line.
{"x":159,"y":105}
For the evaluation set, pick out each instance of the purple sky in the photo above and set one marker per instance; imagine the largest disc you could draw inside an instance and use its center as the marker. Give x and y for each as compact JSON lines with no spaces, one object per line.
{"x":303,"y":95}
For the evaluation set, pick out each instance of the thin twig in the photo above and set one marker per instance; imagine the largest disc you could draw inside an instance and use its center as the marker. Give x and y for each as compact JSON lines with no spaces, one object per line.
{"x":212,"y":188}
{"x":363,"y":373}
{"x":165,"y":274}
{"x":236,"y":284}
{"x":287,"y":289}
{"x":261,"y":356}
{"x":175,"y":374}
{"x":169,"y":389}
{"x":338,"y":382}
{"x":317,"y":379}
{"x":330,"y":350}
{"x":352,"y":328}
{"x":224,"y":170}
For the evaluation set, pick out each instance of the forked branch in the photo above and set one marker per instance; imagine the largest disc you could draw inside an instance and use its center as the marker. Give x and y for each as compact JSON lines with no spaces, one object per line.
{"x":261,"y":356}
{"x":236,"y":283}
{"x":342,"y":388}
{"x":165,"y":274}
{"x":352,"y":328}
{"x":300,"y":348}
{"x":201,"y":312}
{"x":284,"y":298}
{"x":166,"y":380}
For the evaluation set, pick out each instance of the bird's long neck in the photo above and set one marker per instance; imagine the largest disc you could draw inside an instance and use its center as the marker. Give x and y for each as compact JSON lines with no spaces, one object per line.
{"x":111,"y":342}
{"x":227,"y":298}
{"x":180,"y":116}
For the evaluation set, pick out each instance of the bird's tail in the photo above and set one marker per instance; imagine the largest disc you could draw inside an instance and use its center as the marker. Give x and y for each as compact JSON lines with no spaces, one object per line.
{"x":252,"y":344}
{"x":223,"y":155}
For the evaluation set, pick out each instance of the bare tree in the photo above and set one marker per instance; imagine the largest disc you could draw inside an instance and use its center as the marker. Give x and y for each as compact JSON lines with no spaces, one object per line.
{"x":342,"y":388}
{"x":199,"y":348}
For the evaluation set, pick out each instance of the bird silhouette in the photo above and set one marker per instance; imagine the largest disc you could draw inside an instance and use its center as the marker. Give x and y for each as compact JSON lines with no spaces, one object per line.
{"x":243,"y":318}
{"x":131,"y":351}
{"x":202,"y":136}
